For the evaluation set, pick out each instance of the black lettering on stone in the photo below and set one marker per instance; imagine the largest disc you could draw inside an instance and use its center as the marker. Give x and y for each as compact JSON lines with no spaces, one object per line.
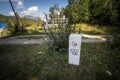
{"x":74,"y":51}
{"x":74,"y":44}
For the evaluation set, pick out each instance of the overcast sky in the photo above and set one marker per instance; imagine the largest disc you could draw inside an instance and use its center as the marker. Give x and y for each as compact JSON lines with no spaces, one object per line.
{"x":30,"y":7}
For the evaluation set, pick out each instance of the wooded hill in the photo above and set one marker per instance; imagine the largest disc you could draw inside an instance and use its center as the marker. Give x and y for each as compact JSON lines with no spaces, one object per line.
{"x":94,"y":11}
{"x":10,"y":20}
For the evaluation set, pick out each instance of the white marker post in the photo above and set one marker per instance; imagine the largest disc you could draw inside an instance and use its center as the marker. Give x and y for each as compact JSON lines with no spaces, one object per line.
{"x":74,"y":48}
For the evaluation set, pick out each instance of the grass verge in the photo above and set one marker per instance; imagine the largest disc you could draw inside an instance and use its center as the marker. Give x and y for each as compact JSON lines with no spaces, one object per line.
{"x":35,"y":62}
{"x":96,"y":29}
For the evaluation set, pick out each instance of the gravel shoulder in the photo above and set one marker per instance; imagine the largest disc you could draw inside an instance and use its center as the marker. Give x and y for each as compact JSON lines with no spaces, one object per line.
{"x":42,"y":39}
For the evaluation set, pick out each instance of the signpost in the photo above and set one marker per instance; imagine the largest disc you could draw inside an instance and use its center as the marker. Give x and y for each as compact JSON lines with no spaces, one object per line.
{"x":74,"y":49}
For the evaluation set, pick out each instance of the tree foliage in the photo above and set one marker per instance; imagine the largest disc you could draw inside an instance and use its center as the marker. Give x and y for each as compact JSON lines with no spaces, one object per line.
{"x":53,"y":11}
{"x":102,"y":12}
{"x":94,"y":11}
{"x":39,"y":22}
{"x":12,"y":26}
{"x":78,"y":12}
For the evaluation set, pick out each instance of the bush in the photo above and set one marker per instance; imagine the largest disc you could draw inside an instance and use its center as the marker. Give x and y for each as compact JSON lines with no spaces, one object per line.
{"x":115,"y":41}
{"x":59,"y":36}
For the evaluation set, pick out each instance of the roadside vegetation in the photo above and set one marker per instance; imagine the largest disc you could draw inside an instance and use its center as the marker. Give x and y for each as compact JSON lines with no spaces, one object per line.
{"x":34,"y":62}
{"x":99,"y":61}
{"x":84,"y":29}
{"x":94,"y":29}
{"x":93,"y":17}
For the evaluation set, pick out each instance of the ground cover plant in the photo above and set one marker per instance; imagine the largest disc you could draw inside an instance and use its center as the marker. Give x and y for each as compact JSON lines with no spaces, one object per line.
{"x":35,"y":62}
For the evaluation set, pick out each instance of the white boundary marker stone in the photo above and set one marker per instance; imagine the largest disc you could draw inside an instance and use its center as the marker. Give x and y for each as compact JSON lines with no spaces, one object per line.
{"x":74,"y":48}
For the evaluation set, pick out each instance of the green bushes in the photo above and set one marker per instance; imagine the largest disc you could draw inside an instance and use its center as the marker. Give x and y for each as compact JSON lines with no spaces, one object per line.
{"x":36,"y":62}
{"x":59,"y":36}
{"x":106,"y":12}
{"x":114,"y":41}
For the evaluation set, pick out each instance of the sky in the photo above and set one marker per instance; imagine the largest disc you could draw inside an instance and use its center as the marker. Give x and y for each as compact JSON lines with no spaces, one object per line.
{"x":30,"y":7}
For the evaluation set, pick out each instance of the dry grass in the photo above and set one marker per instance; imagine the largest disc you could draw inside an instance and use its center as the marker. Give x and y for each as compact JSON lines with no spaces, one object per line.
{"x":5,"y":33}
{"x":94,"y":29}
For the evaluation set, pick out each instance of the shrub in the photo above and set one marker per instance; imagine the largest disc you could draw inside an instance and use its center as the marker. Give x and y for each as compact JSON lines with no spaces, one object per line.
{"x":59,"y":36}
{"x":115,"y":41}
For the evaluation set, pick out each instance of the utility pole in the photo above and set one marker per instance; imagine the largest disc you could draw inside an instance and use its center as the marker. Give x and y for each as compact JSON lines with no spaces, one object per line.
{"x":18,"y":24}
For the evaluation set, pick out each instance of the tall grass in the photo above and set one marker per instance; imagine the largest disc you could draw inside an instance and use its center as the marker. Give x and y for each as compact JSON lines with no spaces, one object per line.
{"x":95,"y":29}
{"x":35,"y":62}
{"x":5,"y":33}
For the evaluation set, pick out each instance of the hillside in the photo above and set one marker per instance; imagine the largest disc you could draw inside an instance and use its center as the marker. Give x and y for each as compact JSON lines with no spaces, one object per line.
{"x":23,"y":20}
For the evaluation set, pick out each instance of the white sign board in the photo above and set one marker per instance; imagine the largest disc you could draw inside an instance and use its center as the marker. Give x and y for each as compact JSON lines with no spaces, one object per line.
{"x":74,"y":48}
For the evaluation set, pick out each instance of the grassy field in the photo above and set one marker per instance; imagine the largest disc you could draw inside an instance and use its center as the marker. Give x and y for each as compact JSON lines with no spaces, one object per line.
{"x":35,"y":62}
{"x":85,"y":29}
{"x":30,"y":30}
{"x":95,"y":29}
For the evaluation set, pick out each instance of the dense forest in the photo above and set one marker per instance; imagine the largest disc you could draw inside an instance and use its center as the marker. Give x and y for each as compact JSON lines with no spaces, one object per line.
{"x":106,"y":12}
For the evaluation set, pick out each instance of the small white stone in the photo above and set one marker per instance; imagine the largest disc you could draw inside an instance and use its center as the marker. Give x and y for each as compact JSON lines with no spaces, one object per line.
{"x":39,"y":52}
{"x":109,"y":73}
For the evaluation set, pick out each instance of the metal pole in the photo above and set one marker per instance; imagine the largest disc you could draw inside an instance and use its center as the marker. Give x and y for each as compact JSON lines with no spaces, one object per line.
{"x":18,"y":24}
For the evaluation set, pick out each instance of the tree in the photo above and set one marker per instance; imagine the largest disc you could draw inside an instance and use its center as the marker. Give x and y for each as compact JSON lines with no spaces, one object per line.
{"x":116,"y":7}
{"x":98,"y":13}
{"x":105,"y":11}
{"x":73,"y":1}
{"x":53,"y":11}
{"x":39,"y":22}
{"x":62,"y":12}
{"x":10,"y":26}
{"x":95,"y":11}
{"x":78,"y":12}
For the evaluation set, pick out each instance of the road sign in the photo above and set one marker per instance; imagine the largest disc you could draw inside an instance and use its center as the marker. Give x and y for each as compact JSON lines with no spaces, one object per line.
{"x":74,"y":48}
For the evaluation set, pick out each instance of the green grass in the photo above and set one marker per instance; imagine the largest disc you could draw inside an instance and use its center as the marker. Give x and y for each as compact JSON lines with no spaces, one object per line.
{"x":96,"y":29}
{"x":85,"y":29}
{"x":31,"y":30}
{"x":35,"y":62}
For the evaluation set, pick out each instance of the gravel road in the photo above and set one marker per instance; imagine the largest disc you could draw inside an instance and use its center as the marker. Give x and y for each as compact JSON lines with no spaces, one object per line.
{"x":42,"y":39}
